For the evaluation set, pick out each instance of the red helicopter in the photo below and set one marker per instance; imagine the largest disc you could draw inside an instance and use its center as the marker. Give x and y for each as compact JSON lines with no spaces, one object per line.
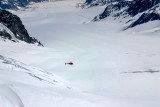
{"x":70,"y":63}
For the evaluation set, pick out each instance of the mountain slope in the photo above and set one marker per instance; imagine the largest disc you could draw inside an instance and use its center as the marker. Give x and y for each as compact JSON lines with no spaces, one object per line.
{"x":20,"y":83}
{"x":137,"y":11}
{"x":36,"y":73}
{"x":23,"y":85}
{"x":11,"y":28}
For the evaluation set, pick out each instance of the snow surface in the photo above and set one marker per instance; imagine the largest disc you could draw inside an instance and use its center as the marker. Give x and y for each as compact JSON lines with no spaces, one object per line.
{"x":106,"y":60}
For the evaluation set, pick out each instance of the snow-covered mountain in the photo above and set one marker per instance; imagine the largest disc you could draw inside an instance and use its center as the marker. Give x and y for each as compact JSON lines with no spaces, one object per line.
{"x":98,"y":2}
{"x":91,"y":3}
{"x":16,"y":4}
{"x":11,"y":28}
{"x":134,"y":12}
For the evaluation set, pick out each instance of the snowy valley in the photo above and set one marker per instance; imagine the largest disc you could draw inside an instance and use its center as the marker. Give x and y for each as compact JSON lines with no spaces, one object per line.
{"x":113,"y":66}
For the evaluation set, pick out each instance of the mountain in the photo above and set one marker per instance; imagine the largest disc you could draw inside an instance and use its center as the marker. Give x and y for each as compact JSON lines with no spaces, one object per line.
{"x":149,"y":15}
{"x":16,"y":4}
{"x":91,"y":3}
{"x":98,"y":2}
{"x":11,"y":28}
{"x":137,"y":11}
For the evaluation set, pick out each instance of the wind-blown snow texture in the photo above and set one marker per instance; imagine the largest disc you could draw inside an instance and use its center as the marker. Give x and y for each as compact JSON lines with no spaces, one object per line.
{"x":111,"y":68}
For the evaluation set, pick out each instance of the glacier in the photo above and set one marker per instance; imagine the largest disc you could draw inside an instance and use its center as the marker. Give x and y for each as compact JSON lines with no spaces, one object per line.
{"x":105,"y":60}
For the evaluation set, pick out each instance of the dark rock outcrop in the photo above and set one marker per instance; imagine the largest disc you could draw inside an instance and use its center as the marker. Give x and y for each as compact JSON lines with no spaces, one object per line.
{"x":5,"y":35}
{"x":14,"y":24}
{"x":138,"y":6}
{"x":145,"y":17}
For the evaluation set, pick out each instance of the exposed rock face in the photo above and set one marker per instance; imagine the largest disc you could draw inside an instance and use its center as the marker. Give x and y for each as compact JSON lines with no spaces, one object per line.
{"x":145,"y":17}
{"x":14,"y":24}
{"x":149,"y":10}
{"x":5,"y":35}
{"x":138,"y":6}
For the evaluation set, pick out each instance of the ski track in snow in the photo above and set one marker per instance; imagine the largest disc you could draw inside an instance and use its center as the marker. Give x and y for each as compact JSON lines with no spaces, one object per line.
{"x":105,"y":60}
